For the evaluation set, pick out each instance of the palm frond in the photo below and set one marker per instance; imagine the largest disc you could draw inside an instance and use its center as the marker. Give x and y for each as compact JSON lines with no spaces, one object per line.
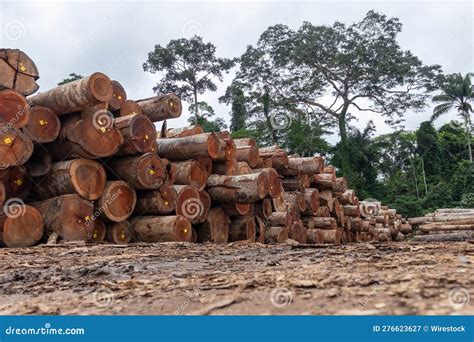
{"x":441,"y":109}
{"x":442,"y":98}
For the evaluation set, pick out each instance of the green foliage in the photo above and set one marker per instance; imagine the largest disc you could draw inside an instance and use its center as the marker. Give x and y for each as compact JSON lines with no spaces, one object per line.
{"x":189,"y":67}
{"x":72,"y":77}
{"x":206,"y":112}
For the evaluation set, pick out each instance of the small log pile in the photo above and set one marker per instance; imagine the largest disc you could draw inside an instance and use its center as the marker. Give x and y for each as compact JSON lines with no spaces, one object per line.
{"x":83,"y":162}
{"x":450,"y":224}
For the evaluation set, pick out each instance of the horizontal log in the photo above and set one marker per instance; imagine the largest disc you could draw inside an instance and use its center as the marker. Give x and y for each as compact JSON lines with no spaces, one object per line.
{"x":242,"y":228}
{"x":15,"y":146}
{"x":191,"y":147}
{"x":139,"y":134}
{"x":276,"y":235}
{"x":162,"y":229}
{"x":184,"y":131}
{"x":241,"y":189}
{"x":129,"y":107}
{"x":157,"y":201}
{"x":14,"y":109}
{"x":119,"y":233}
{"x":21,"y":226}
{"x":191,"y":173}
{"x":215,"y":228}
{"x":116,"y":203}
{"x":99,"y":231}
{"x":76,"y":95}
{"x":464,"y":236}
{"x":162,"y":107}
{"x":119,"y":96}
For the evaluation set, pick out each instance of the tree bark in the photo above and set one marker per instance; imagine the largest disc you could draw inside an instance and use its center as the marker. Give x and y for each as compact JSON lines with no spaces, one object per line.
{"x":139,"y":134}
{"x":156,"y":202}
{"x":184,"y":131}
{"x":120,"y":233}
{"x":242,"y":228}
{"x":77,"y":95}
{"x":241,"y":189}
{"x":192,"y":147}
{"x":116,"y":203}
{"x":130,"y":107}
{"x":215,"y":228}
{"x":162,"y":229}
{"x":119,"y":96}
{"x":69,"y":216}
{"x":141,"y":172}
{"x":15,"y":147}
{"x":191,"y":173}
{"x":162,"y":107}
{"x":276,"y":235}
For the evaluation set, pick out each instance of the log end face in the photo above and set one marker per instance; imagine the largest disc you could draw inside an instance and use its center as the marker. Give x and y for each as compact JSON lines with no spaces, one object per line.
{"x":23,"y":227}
{"x":77,"y":219}
{"x":182,"y":229}
{"x":88,"y":178}
{"x":118,"y":201}
{"x":151,"y":171}
{"x":101,"y":87}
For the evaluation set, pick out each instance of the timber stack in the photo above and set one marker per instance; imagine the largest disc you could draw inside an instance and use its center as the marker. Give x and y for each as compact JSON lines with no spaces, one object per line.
{"x":450,"y":224}
{"x":83,"y":162}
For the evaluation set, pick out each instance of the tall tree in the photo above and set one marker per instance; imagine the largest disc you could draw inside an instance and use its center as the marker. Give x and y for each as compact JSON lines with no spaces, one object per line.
{"x":72,"y":77}
{"x":235,"y":97}
{"x":190,"y":68}
{"x":330,"y":70}
{"x":456,"y":93}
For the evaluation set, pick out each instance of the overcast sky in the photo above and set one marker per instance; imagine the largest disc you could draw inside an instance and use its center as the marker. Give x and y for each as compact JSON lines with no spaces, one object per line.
{"x":115,"y":37}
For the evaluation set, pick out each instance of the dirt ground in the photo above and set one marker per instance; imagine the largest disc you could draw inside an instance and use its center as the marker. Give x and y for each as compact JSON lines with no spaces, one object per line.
{"x":176,"y":278}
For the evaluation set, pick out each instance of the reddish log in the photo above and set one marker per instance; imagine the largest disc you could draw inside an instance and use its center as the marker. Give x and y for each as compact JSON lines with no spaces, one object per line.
{"x":98,"y":231}
{"x":17,"y":183}
{"x":191,"y":147}
{"x":191,"y":173}
{"x":117,"y":202}
{"x":242,"y":228}
{"x":162,"y":229}
{"x":82,"y":176}
{"x":282,"y":219}
{"x":161,"y":108}
{"x":330,"y":236}
{"x":215,"y":228}
{"x":313,"y":222}
{"x":69,"y":216}
{"x":76,"y":95}
{"x":325,"y":199}
{"x":156,"y":202}
{"x":43,"y":126}
{"x":248,"y":154}
{"x":324,"y":181}
{"x":142,"y":172}
{"x":276,"y":235}
{"x":15,"y":147}
{"x":184,"y":131}
{"x":311,"y":196}
{"x":139,"y":134}
{"x":188,"y":203}
{"x":309,"y":166}
{"x":241,"y":189}
{"x":120,"y":233}
{"x":40,"y":162}
{"x":130,"y":107}
{"x":275,"y":187}
{"x":14,"y":109}
{"x":351,"y":210}
{"x":119,"y":96}
{"x":263,"y":208}
{"x":347,"y":197}
{"x":20,"y":226}
{"x":238,"y":209}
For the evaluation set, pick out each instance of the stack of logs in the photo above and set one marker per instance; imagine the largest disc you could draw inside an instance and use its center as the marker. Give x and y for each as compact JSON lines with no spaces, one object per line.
{"x":455,"y":224}
{"x":83,"y":162}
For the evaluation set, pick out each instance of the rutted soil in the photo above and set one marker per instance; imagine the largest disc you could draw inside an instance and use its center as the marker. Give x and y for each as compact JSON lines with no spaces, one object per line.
{"x":176,"y":278}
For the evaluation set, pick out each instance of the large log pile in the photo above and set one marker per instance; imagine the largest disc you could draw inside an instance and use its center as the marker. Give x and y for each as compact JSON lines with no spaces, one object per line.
{"x":83,"y":162}
{"x":451,"y":224}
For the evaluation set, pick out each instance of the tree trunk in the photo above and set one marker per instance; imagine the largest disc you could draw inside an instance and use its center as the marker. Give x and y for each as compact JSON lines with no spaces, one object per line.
{"x":162,"y":107}
{"x":69,"y":216}
{"x":191,"y":173}
{"x":263,"y":208}
{"x":275,"y":187}
{"x":280,"y":219}
{"x":162,"y":229}
{"x":130,"y":107}
{"x":77,"y":95}
{"x":119,"y":96}
{"x":184,"y":131}
{"x":215,"y":228}
{"x":241,"y":189}
{"x":242,"y":228}
{"x":156,"y":202}
{"x":18,"y":72}
{"x":276,"y":235}
{"x":120,"y":233}
{"x":192,"y":147}
{"x":142,"y":172}
{"x":311,"y":196}
{"x":313,"y":222}
{"x":309,"y":166}
{"x":15,"y":147}
{"x":43,"y":126}
{"x":455,"y":236}
{"x":139,"y":134}
{"x":14,"y":109}
{"x":20,"y":226}
{"x":116,"y":203}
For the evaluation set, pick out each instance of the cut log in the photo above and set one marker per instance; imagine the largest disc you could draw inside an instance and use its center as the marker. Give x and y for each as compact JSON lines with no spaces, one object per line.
{"x":15,"y":147}
{"x":142,"y":172}
{"x":276,"y":235}
{"x":312,"y":235}
{"x":227,"y":149}
{"x":162,"y":229}
{"x":14,"y":109}
{"x":244,"y":168}
{"x":184,"y":131}
{"x":264,"y":162}
{"x":188,"y":203}
{"x":18,"y":71}
{"x":206,"y":201}
{"x":120,"y":233}
{"x":69,"y":216}
{"x":43,"y":126}
{"x":263,"y":208}
{"x":454,"y":227}
{"x":330,"y":236}
{"x":191,"y":173}
{"x":82,"y":176}
{"x":326,"y":199}
{"x":329,"y":169}
{"x":161,"y":108}
{"x":119,"y":96}
{"x":3,"y":193}
{"x":139,"y":134}
{"x":275,"y":187}
{"x":17,"y":183}
{"x":324,"y":181}
{"x":130,"y":107}
{"x":99,"y":231}
{"x":206,"y":162}
{"x":248,"y":154}
{"x":313,"y":222}
{"x":277,"y":219}
{"x":156,"y":202}
{"x":40,"y":162}
{"x":91,"y":137}
{"x":323,"y":211}
{"x":245,"y":142}
{"x":340,"y":186}
{"x":22,"y":226}
{"x":242,"y":228}
{"x":292,"y":184}
{"x":117,"y":202}
{"x":192,"y":147}
{"x":299,"y":232}
{"x":311,"y":196}
{"x":226,"y":168}
{"x":215,"y":228}
{"x":241,"y":189}
{"x":297,"y":166}
{"x":238,"y":209}
{"x":351,"y":210}
{"x":347,"y":197}
{"x":76,"y":95}
{"x":279,"y":204}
